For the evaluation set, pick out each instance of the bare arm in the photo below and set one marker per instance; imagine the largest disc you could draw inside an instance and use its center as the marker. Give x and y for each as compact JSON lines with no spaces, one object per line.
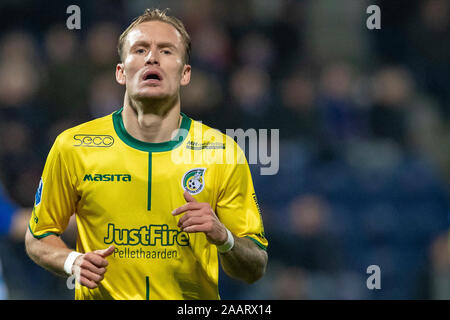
{"x":51,"y":253}
{"x":245,"y":261}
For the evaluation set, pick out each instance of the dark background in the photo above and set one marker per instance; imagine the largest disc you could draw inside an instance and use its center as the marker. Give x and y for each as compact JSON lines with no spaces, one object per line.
{"x":363,"y":118}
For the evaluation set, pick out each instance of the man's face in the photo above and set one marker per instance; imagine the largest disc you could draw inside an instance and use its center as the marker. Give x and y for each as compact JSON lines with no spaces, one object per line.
{"x":153,"y":65}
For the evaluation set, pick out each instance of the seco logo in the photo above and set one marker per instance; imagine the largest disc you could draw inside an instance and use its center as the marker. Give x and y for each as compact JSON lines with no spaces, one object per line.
{"x":89,"y":140}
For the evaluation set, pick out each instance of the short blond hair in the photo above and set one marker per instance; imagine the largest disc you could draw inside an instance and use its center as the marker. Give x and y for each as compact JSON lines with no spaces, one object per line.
{"x":158,"y":15}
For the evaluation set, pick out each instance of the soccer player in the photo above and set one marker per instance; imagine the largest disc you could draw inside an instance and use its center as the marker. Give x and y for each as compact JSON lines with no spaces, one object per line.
{"x":159,"y":199}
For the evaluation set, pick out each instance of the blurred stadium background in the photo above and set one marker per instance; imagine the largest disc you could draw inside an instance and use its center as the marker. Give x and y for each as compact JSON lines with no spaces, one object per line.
{"x":363,"y":118}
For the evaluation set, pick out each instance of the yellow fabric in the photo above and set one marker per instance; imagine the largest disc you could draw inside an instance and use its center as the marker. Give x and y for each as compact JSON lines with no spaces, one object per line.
{"x":96,"y":173}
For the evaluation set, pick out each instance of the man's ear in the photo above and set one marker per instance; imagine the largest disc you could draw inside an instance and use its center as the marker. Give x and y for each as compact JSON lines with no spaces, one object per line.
{"x":186,"y":75}
{"x":120,"y":74}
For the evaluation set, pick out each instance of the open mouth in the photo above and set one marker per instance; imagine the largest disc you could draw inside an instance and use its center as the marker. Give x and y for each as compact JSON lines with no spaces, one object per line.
{"x":152,"y":75}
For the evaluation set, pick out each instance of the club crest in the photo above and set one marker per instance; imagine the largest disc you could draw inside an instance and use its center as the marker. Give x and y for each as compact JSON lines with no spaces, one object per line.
{"x":194,"y":180}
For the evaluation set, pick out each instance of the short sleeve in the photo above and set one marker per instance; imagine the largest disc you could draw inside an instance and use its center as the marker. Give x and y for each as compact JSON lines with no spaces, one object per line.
{"x":237,"y":205}
{"x":55,"y":199}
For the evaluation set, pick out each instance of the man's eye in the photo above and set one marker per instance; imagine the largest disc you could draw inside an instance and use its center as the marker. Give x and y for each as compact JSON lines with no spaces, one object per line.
{"x":140,"y":50}
{"x":166,"y":51}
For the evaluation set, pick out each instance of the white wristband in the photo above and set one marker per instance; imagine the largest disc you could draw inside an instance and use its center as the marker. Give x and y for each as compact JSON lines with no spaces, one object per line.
{"x":228,"y":245}
{"x":69,"y":261}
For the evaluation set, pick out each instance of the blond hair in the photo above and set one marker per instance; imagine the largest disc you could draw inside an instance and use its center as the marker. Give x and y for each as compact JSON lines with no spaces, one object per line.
{"x":158,"y":15}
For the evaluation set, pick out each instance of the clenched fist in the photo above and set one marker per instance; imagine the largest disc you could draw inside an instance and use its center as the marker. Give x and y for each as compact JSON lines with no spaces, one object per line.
{"x":89,"y":268}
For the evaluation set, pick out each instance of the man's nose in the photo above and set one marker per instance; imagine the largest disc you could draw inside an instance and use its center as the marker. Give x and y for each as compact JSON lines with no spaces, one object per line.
{"x":152,"y":57}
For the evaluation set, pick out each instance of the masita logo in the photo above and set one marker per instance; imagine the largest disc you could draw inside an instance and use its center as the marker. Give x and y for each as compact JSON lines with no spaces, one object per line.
{"x":107,"y":177}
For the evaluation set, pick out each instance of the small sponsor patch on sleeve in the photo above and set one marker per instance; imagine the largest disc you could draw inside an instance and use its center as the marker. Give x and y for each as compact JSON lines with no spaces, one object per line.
{"x":38,"y":196}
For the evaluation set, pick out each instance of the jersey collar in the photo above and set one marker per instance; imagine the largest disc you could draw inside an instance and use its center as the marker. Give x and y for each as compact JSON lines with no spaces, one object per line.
{"x":147,"y":146}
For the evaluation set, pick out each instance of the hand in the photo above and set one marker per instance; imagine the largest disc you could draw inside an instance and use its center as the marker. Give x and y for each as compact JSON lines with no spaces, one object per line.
{"x":90,"y":267}
{"x":200,"y":217}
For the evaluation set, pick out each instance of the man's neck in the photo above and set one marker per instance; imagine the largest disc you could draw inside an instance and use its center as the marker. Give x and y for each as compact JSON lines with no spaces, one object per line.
{"x":151,"y":123}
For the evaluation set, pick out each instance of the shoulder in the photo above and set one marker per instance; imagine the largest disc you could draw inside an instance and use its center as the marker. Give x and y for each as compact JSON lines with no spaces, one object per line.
{"x":100,"y":130}
{"x":87,"y":131}
{"x":205,"y":137}
{"x":203,"y":133}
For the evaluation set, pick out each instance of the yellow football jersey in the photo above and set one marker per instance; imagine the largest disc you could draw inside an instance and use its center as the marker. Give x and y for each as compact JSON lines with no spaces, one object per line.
{"x":123,"y":191}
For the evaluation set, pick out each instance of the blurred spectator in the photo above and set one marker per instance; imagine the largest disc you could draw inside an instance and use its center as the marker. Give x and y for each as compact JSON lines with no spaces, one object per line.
{"x":342,"y":118}
{"x":212,"y":48}
{"x":15,"y":138}
{"x":440,"y":267}
{"x":335,"y":31}
{"x":298,"y":114}
{"x":251,"y":93}
{"x":105,"y":95}
{"x":305,"y":241}
{"x":22,"y":279}
{"x":430,"y":49}
{"x":64,"y":94}
{"x":13,"y":224}
{"x":20,"y":71}
{"x":20,"y":80}
{"x":17,"y":156}
{"x":101,"y":45}
{"x":392,"y":95}
{"x":18,"y":46}
{"x":428,"y":133}
{"x":256,"y":49}
{"x":60,"y":45}
{"x":14,"y":220}
{"x":290,"y":284}
{"x":287,"y":33}
{"x":203,"y":97}
{"x":18,"y":83}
